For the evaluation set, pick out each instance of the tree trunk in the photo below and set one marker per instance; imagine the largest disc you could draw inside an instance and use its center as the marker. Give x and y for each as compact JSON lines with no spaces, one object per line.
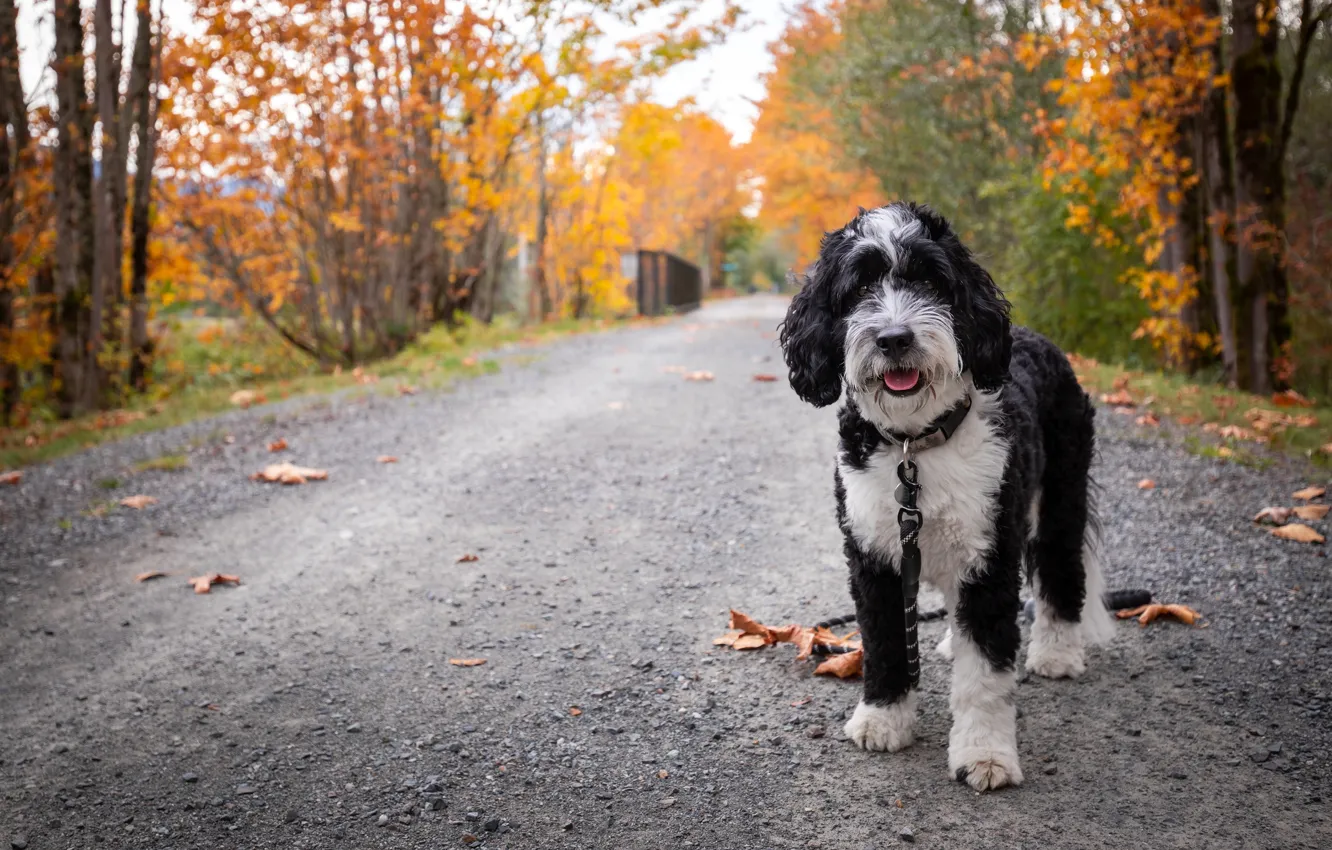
{"x":144,"y":104}
{"x":106,"y":241}
{"x":1219,"y":182}
{"x":13,"y":146}
{"x":1259,"y":195}
{"x":72,"y":175}
{"x":540,"y":288}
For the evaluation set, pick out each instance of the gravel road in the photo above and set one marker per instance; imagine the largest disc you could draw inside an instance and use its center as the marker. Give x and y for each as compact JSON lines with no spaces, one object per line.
{"x":616,"y":511}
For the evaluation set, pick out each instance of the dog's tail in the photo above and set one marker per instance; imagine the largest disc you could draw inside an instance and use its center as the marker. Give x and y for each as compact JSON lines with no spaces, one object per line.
{"x":1098,"y":626}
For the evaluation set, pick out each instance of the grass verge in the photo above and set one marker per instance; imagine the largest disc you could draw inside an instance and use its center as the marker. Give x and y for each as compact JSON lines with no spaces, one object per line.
{"x":217,"y":367}
{"x":1223,"y":423}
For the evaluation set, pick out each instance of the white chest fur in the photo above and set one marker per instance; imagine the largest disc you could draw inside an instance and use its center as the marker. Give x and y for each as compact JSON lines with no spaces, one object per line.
{"x":959,"y":490}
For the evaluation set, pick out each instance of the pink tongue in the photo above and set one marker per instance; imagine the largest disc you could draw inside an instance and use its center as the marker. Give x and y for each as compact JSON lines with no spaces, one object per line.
{"x":901,"y":379}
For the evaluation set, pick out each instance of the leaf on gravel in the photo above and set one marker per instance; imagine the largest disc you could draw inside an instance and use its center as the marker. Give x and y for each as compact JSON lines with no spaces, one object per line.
{"x":1146,"y":484}
{"x":1298,"y":532}
{"x":1121,"y":398}
{"x":1273,"y":516}
{"x":467,"y":558}
{"x":748,"y":633}
{"x":727,"y":639}
{"x":406,"y":389}
{"x":1234,"y":432}
{"x":150,"y":575}
{"x":289,"y":473}
{"x":469,"y":361}
{"x":386,"y":459}
{"x":278,"y":445}
{"x":1290,"y":398}
{"x":1155,"y":610}
{"x":750,"y":642}
{"x":1149,"y":418}
{"x":204,"y":583}
{"x":1308,"y":493}
{"x":11,"y":478}
{"x":1313,"y":513}
{"x":700,"y":375}
{"x":245,"y":398}
{"x":747,"y":625}
{"x":137,"y":502}
{"x":467,"y":662}
{"x":575,"y":710}
{"x":842,"y":666}
{"x":765,"y":378}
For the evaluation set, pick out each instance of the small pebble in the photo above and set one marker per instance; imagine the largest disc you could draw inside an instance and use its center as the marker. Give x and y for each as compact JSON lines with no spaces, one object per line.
{"x":907,"y":835}
{"x":190,"y":777}
{"x":815,"y":732}
{"x":244,"y":788}
{"x":491,"y":825}
{"x":355,"y":727}
{"x":667,"y":802}
{"x":383,"y":820}
{"x":1050,"y":769}
{"x":18,"y":843}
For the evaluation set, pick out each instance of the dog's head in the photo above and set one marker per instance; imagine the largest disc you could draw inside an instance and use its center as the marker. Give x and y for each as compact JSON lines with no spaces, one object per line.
{"x":898,"y":308}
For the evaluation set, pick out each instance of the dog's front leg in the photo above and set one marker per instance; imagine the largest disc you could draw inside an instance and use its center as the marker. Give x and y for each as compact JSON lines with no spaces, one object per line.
{"x":886,"y":715}
{"x":982,"y":748}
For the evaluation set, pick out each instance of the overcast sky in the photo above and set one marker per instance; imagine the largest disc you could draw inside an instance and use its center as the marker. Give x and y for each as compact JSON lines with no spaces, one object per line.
{"x":725,"y":81}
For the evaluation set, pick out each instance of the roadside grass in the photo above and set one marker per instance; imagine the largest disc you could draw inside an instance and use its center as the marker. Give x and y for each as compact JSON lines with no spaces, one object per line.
{"x":1225,"y":423}
{"x":201,"y":366}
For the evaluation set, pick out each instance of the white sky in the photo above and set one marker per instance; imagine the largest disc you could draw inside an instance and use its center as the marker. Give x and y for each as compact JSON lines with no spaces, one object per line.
{"x":725,"y":81}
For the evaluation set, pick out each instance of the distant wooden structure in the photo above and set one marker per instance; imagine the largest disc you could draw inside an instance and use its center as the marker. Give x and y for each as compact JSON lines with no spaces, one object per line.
{"x":663,"y":282}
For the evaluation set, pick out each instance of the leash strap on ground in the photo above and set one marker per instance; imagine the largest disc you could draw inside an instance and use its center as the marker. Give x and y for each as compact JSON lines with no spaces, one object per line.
{"x":909,"y":521}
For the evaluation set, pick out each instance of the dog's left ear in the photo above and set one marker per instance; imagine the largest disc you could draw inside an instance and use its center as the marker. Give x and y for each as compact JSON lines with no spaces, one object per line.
{"x":809,"y":340}
{"x":985,"y":340}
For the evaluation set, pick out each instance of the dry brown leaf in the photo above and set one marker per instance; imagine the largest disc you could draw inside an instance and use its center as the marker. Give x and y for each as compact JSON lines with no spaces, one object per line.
{"x":1235,"y":432}
{"x":1146,"y":484}
{"x":364,"y":377}
{"x":1273,"y":516}
{"x":278,"y":445}
{"x":467,"y":662}
{"x":842,"y":666}
{"x":469,"y":362}
{"x":747,"y":624}
{"x":1187,"y":419}
{"x":727,"y":639}
{"x":386,"y":459}
{"x":765,"y":378}
{"x":151,"y":574}
{"x":11,"y":478}
{"x":406,"y":389}
{"x":1309,"y":493}
{"x":245,"y":398}
{"x":204,"y":583}
{"x":1155,"y":610}
{"x":1290,"y":398}
{"x":467,"y":558}
{"x":575,"y":710}
{"x":1120,"y":398}
{"x":750,"y":642}
{"x":1298,"y":532}
{"x":137,"y":502}
{"x":700,"y":375}
{"x":1121,"y":382}
{"x":1313,"y":513}
{"x":1149,"y":418}
{"x":289,"y":473}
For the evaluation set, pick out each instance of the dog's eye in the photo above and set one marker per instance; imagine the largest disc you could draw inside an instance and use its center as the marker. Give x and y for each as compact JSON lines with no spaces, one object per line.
{"x":863,"y":290}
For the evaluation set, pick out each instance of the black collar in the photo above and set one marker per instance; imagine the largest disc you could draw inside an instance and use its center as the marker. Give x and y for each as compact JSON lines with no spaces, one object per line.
{"x":937,"y":432}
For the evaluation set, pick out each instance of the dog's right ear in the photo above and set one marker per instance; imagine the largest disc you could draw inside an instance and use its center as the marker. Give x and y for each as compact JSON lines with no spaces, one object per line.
{"x":810,"y":341}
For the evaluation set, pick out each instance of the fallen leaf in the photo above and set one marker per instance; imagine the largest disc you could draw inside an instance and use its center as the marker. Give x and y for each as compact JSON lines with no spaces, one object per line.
{"x":1225,"y":451}
{"x":1308,"y":493}
{"x":467,"y":662}
{"x":747,"y":624}
{"x":800,"y":702}
{"x":12,"y":477}
{"x":663,"y":774}
{"x":1120,"y":398}
{"x":1235,"y":432}
{"x":204,"y":583}
{"x":1187,"y":419}
{"x":151,"y":574}
{"x":278,"y":445}
{"x":386,"y":459}
{"x":364,"y":377}
{"x":750,"y":642}
{"x":1149,"y":418}
{"x":1298,"y":532}
{"x":1273,"y":516}
{"x":406,"y":389}
{"x":699,"y":376}
{"x":1148,"y":613}
{"x":289,"y":473}
{"x":727,"y":639}
{"x":765,"y":378}
{"x":1146,"y":484}
{"x":575,"y":710}
{"x":469,"y":362}
{"x":1326,"y":449}
{"x":842,"y":666}
{"x":1290,"y":398}
{"x":137,"y":502}
{"x":1313,"y":513}
{"x":467,"y":558}
{"x":244,"y":398}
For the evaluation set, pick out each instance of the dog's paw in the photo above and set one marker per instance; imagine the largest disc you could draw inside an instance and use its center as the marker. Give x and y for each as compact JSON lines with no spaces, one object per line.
{"x":945,"y":647}
{"x":1056,"y":650}
{"x":883,"y":727}
{"x":984,"y":769}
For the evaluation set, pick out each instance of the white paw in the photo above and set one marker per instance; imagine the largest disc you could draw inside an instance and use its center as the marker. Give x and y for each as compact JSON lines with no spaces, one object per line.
{"x":984,"y":768}
{"x":883,"y":727}
{"x":1056,"y":662}
{"x":945,"y":647}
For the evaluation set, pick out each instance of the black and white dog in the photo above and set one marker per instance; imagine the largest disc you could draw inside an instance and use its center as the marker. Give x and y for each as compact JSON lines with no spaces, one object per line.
{"x":899,"y":311}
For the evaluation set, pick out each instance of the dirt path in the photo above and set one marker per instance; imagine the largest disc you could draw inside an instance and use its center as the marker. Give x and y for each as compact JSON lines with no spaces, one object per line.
{"x":617,"y":512}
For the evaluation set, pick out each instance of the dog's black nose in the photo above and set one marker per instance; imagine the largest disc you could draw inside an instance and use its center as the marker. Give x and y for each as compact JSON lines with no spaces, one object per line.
{"x":895,"y":342}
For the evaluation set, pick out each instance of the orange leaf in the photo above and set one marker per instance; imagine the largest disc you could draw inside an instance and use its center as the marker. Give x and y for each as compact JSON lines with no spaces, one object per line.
{"x":137,"y":502}
{"x":842,"y":666}
{"x":727,"y":639}
{"x":1309,"y":493}
{"x":1290,"y":398}
{"x":1149,"y":418}
{"x":746,"y":624}
{"x":1146,"y":484}
{"x":278,"y":445}
{"x":575,"y":710}
{"x":699,"y":376}
{"x":750,"y":642}
{"x":1298,"y":532}
{"x":386,"y":459}
{"x":1275,"y":516}
{"x":151,"y":574}
{"x":1313,"y":513}
{"x":245,"y":398}
{"x":12,"y":477}
{"x":406,"y":389}
{"x":1122,"y":398}
{"x":467,"y":662}
{"x":289,"y":473}
{"x":467,"y":558}
{"x":204,"y":583}
{"x":765,"y":378}
{"x":469,"y":362}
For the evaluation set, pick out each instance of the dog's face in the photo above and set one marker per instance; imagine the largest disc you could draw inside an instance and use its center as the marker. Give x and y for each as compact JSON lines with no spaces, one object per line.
{"x":898,"y":309}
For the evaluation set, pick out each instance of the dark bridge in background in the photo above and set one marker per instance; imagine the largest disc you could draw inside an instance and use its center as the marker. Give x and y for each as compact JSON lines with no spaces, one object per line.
{"x":666,"y":283}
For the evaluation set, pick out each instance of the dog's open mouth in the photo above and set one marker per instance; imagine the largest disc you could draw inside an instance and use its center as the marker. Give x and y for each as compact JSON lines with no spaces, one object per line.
{"x":902,"y":381}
